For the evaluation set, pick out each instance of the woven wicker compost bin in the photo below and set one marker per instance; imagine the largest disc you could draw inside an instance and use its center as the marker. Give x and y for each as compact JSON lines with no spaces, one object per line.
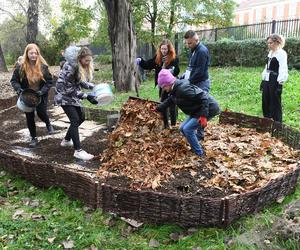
{"x":195,"y":210}
{"x":155,"y":207}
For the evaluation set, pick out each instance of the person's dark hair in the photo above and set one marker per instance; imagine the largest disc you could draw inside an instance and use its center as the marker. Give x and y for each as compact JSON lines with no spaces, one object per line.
{"x":189,"y":34}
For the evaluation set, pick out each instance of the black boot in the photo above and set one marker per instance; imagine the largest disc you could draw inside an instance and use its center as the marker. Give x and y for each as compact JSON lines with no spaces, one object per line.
{"x":50,"y":129}
{"x":33,"y":143}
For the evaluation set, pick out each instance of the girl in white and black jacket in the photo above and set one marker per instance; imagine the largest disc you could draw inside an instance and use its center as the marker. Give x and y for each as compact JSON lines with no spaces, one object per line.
{"x":273,"y":78}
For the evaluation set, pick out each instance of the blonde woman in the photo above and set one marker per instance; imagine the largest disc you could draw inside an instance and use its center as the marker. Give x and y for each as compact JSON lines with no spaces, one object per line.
{"x":273,"y":78}
{"x":32,"y":72}
{"x":77,"y":72}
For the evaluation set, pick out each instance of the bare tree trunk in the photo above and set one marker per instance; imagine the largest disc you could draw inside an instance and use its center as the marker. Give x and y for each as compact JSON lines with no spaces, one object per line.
{"x":3,"y":67}
{"x":123,"y":44}
{"x":32,"y":21}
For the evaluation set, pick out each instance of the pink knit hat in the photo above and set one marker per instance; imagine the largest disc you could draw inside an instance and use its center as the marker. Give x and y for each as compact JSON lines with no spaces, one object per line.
{"x":165,"y":78}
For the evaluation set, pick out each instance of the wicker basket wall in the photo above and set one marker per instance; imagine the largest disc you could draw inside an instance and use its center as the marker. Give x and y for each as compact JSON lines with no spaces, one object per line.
{"x":155,"y":207}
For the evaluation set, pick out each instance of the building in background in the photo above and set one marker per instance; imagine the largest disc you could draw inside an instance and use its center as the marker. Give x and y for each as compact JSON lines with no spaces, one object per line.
{"x":257,"y":11}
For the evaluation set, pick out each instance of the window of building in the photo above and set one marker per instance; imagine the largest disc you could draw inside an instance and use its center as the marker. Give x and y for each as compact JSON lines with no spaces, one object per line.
{"x":280,"y":9}
{"x":269,"y":14}
{"x":293,"y":9}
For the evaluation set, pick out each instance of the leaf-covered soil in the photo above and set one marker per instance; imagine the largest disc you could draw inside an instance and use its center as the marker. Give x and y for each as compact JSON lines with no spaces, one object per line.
{"x":140,"y":154}
{"x":146,"y":156}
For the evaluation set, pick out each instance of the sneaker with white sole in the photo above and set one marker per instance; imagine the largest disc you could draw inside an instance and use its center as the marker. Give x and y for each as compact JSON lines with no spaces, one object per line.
{"x":66,"y":143}
{"x":81,"y":154}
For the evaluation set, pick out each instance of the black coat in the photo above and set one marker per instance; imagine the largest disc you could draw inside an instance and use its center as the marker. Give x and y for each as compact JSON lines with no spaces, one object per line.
{"x":191,"y":99}
{"x":18,"y":82}
{"x":151,"y":64}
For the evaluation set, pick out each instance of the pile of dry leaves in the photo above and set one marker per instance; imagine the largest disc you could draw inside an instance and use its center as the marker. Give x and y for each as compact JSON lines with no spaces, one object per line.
{"x":237,"y":159}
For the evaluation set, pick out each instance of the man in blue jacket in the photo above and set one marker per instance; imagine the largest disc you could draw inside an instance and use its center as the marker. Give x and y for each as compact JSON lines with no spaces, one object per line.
{"x":197,"y":70}
{"x":197,"y":104}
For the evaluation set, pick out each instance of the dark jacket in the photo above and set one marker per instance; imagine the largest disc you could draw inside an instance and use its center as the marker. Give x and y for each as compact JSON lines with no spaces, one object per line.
{"x":21,"y":82}
{"x":68,"y":86}
{"x":199,"y":61}
{"x":151,"y":64}
{"x":192,"y":100}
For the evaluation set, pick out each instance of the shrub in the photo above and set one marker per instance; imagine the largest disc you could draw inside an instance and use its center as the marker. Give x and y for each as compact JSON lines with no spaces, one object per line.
{"x":250,"y":53}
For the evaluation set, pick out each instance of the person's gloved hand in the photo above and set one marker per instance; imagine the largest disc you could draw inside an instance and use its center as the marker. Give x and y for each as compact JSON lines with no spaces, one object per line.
{"x":154,"y":110}
{"x":279,"y":89}
{"x":138,"y":61}
{"x":172,"y":70}
{"x":91,"y":85}
{"x":19,"y":91}
{"x":202,"y":121}
{"x":82,"y":95}
{"x":91,"y":98}
{"x":39,"y":93}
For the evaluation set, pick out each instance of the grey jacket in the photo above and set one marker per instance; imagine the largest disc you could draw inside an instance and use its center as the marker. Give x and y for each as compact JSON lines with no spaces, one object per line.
{"x":68,"y":86}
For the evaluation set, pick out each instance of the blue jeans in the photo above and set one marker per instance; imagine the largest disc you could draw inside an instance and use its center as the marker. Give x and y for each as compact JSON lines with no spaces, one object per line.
{"x":190,"y":125}
{"x":205,"y":86}
{"x":188,"y":128}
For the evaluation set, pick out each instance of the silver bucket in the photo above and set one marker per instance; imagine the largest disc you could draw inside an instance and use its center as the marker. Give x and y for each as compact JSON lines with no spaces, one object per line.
{"x":28,"y":100}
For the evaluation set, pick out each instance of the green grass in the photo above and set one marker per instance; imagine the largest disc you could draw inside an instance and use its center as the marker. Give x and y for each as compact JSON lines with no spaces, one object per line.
{"x":64,"y":220}
{"x":235,"y":88}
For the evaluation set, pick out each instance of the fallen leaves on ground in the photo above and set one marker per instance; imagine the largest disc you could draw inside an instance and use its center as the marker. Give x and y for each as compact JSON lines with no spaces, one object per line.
{"x":238,"y":159}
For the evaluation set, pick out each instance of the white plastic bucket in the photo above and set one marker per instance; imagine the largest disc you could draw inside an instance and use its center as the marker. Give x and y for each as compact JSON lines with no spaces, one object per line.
{"x":103,"y":94}
{"x":21,"y":105}
{"x":28,"y":100}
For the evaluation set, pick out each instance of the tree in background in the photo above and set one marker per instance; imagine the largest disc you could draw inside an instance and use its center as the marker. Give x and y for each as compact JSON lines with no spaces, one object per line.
{"x":3,"y":67}
{"x":101,"y":36}
{"x":165,"y":17}
{"x":123,"y":44}
{"x":14,"y":33}
{"x":75,"y":23}
{"x":32,"y":21}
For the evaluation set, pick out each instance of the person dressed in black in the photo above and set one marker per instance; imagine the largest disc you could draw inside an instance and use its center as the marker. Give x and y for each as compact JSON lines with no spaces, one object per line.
{"x":197,"y":104}
{"x":32,"y":72}
{"x":165,"y":58}
{"x":273,"y":78}
{"x":76,"y":74}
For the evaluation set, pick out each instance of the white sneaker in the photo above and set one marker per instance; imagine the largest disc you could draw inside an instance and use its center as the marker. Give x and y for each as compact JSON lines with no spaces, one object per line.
{"x":81,"y":154}
{"x":65,"y":143}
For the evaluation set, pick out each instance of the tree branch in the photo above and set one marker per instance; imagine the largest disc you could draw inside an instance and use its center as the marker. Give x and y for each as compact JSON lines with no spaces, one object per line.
{"x":12,"y":16}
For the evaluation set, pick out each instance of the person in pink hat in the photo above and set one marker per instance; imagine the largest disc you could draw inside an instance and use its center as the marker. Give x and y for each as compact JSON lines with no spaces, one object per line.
{"x":198,"y":105}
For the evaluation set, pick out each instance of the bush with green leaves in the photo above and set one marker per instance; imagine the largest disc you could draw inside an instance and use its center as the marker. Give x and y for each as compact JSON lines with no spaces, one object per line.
{"x":250,"y":53}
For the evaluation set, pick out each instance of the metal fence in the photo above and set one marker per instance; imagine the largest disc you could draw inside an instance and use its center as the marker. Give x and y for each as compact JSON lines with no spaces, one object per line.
{"x":287,"y":28}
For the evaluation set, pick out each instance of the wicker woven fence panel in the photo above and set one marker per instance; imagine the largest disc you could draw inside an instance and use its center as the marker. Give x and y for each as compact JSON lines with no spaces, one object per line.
{"x":260,"y":124}
{"x":12,"y":163}
{"x":255,"y":201}
{"x":170,"y":209}
{"x":239,"y":205}
{"x":120,"y":201}
{"x":150,"y":209}
{"x":77,"y":185}
{"x":289,"y":135}
{"x":39,"y":174}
